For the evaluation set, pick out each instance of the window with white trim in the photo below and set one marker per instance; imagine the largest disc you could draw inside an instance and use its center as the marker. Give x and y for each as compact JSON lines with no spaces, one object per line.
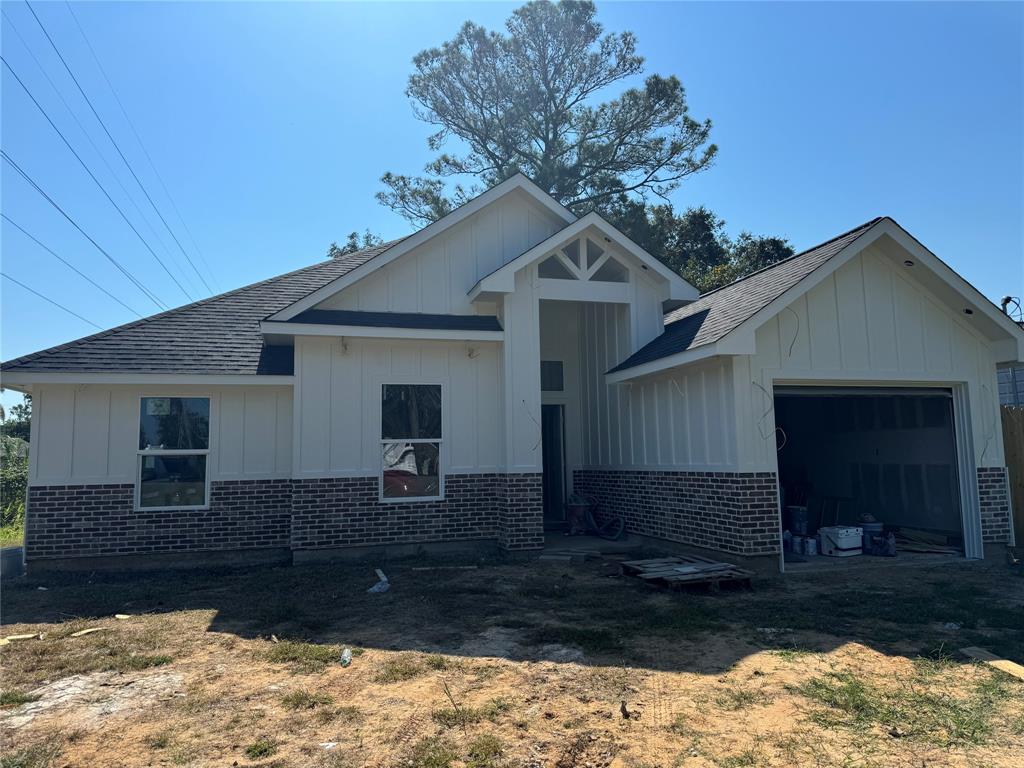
{"x":174,"y":450}
{"x":410,"y":432}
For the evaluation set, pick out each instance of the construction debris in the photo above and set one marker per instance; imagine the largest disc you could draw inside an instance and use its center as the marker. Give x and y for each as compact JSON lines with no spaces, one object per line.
{"x":987,"y":657}
{"x":684,"y":570}
{"x":913,"y":540}
{"x":89,"y":631}
{"x":382,"y":585}
{"x":17,"y":638}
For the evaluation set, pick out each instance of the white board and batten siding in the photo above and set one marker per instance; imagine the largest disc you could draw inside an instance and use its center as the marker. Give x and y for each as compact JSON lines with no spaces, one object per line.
{"x":436,"y":277}
{"x":89,"y":433}
{"x":869,"y":322}
{"x":680,"y":420}
{"x":338,"y":402}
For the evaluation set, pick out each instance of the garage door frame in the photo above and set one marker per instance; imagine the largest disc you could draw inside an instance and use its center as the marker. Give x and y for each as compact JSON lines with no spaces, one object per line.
{"x":970,"y":507}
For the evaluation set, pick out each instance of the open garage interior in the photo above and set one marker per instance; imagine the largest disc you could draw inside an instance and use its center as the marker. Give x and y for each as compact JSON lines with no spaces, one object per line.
{"x":867,"y":473}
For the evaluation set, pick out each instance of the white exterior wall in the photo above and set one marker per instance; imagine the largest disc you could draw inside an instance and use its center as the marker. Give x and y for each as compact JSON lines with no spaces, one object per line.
{"x":869,"y":322}
{"x":338,"y":392}
{"x":560,"y":328}
{"x":437,"y":276}
{"x":89,"y":433}
{"x":680,"y":420}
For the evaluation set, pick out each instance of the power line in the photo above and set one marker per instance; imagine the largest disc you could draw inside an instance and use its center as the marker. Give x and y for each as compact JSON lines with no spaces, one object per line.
{"x":109,"y":135}
{"x":97,"y":181}
{"x":142,"y":146}
{"x":66,"y":263}
{"x":55,"y":303}
{"x":87,"y":134}
{"x":134,"y":280}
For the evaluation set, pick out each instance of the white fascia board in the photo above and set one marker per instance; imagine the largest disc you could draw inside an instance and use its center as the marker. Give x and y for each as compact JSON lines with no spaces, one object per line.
{"x":416,"y":239}
{"x":663,"y":364}
{"x":16,"y":379}
{"x":977,"y":300}
{"x":502,"y":280}
{"x":375,"y":332}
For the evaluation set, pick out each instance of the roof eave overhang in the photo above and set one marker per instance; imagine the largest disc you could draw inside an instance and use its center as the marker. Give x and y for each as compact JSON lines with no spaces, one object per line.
{"x":517,"y":182}
{"x":663,"y":364}
{"x":502,"y":280}
{"x":273,"y":328}
{"x":23,"y":381}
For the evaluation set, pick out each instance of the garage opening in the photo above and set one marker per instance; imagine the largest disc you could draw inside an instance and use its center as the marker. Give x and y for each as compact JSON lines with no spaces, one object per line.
{"x":867,"y":472}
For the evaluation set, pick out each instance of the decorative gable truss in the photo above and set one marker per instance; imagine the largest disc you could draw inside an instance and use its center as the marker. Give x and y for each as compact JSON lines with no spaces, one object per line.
{"x":583,"y":259}
{"x":588,"y":260}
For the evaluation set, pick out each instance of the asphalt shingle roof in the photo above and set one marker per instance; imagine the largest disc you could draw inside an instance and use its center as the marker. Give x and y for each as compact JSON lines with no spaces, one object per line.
{"x":218,"y":335}
{"x":415,"y":320}
{"x":717,"y":312}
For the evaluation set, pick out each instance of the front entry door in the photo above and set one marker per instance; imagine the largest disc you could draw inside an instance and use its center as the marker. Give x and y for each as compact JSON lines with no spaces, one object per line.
{"x":553,"y":444}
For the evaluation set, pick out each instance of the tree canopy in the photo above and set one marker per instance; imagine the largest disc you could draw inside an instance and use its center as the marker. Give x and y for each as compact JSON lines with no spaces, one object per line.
{"x":354,"y":242}
{"x":527,"y":101}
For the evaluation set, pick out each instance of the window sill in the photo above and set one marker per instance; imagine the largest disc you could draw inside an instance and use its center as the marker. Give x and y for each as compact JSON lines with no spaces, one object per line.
{"x":408,"y":499}
{"x":201,"y":508}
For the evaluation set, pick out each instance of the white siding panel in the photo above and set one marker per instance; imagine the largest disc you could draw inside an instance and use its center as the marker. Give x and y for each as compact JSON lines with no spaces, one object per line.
{"x":56,"y":409}
{"x":230,"y":422}
{"x":90,"y":433}
{"x":345,"y":441}
{"x":437,"y":276}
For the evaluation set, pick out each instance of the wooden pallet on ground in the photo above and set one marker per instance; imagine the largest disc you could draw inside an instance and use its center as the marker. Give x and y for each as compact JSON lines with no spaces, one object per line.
{"x":685,"y":570}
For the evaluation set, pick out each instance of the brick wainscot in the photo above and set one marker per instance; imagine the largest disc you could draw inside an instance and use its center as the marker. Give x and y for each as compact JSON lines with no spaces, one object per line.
{"x":734,"y":512}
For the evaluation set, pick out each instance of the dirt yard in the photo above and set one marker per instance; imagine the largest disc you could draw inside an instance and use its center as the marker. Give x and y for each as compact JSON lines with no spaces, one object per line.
{"x":516,"y":665}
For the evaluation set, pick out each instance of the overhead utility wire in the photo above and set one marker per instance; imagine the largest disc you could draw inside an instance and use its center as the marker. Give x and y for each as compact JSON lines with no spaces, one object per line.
{"x":145,"y":151}
{"x":109,"y":135}
{"x":87,"y":134}
{"x":55,"y":303}
{"x":65,"y":262}
{"x":134,"y":280}
{"x":98,"y":183}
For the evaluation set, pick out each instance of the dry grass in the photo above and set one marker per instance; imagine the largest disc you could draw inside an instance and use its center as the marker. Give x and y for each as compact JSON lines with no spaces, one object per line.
{"x":510,"y":666}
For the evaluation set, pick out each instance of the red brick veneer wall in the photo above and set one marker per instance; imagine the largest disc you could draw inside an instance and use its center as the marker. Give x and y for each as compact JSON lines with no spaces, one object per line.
{"x":994,"y":500}
{"x":71,"y":521}
{"x":733,"y":512}
{"x":346,"y":512}
{"x":98,"y":521}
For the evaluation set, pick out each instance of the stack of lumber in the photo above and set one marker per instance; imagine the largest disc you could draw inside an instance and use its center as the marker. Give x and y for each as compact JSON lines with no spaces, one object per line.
{"x":914,"y":540}
{"x":684,"y":570}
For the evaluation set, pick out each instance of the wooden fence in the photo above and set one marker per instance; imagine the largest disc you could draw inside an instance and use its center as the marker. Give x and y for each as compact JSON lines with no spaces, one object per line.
{"x":1013,"y":442}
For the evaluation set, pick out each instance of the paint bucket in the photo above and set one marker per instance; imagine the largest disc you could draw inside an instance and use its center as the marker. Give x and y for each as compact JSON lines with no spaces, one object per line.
{"x":810,"y":546}
{"x":798,"y":545}
{"x":798,"y":520}
{"x":870,"y":530}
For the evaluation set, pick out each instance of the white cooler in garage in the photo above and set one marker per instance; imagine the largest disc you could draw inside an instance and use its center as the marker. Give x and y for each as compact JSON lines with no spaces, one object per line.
{"x":840,"y":540}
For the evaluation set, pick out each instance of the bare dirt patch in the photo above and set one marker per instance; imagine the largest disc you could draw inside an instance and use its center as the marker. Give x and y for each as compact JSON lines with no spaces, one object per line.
{"x":513,"y":665}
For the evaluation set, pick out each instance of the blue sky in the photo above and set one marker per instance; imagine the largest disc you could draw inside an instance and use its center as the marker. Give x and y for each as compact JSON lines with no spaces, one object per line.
{"x":271,"y":123}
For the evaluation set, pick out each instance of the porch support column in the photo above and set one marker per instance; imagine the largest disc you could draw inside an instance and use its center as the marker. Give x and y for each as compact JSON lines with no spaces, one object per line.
{"x":521,"y":522}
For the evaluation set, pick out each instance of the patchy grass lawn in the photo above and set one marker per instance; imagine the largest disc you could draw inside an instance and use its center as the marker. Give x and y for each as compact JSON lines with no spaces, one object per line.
{"x":512,"y":665}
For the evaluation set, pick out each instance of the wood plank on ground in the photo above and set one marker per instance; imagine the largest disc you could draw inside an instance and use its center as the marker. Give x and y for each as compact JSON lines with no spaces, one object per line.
{"x":987,"y":657}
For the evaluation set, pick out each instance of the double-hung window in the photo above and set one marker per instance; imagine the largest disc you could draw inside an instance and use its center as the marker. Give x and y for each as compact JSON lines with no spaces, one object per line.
{"x":410,"y":431}
{"x":174,"y":447}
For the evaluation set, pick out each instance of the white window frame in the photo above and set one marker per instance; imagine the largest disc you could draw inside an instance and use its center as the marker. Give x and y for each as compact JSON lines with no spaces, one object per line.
{"x":440,"y":443}
{"x":141,"y":453}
